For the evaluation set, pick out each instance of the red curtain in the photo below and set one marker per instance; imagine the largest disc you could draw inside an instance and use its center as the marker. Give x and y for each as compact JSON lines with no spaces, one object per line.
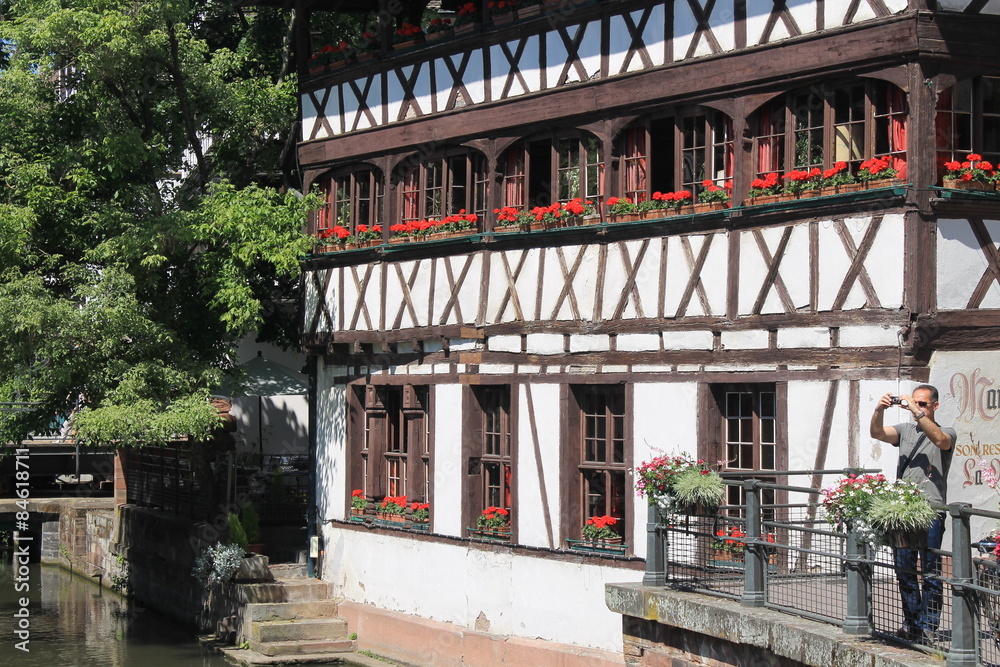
{"x":897,"y":127}
{"x":764,"y":144}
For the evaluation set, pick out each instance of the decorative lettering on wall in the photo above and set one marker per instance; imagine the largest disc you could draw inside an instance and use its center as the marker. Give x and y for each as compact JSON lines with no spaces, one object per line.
{"x":974,"y":396}
{"x":973,"y":472}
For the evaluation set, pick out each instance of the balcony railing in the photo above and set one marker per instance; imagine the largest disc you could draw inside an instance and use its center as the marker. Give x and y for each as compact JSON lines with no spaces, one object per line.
{"x":786,"y":557}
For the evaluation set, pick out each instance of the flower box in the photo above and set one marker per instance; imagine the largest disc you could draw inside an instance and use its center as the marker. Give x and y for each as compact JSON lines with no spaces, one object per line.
{"x":529,"y":12}
{"x":883,"y":183}
{"x":850,"y":187}
{"x":507,"y":229}
{"x":709,"y":207}
{"x":492,"y":534}
{"x":612,"y":547}
{"x":406,"y":44}
{"x":624,"y":217}
{"x":809,"y":194}
{"x":501,"y":19}
{"x":959,"y":184}
{"x":465,"y":28}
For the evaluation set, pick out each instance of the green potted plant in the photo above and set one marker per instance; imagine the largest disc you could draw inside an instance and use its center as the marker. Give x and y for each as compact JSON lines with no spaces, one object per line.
{"x":579,"y":212}
{"x":679,"y":485}
{"x":493,"y":523}
{"x":894,"y":513}
{"x":251,"y":526}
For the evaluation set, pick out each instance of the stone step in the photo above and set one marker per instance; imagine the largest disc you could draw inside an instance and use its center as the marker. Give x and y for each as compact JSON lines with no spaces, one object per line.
{"x":289,"y":571}
{"x":302,"y":647}
{"x":289,"y":611}
{"x":288,"y":590}
{"x":320,"y":629}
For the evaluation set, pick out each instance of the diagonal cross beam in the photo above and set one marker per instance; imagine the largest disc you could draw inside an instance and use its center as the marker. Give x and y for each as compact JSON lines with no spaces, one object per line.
{"x":408,"y":84}
{"x":362,"y":287}
{"x":322,"y":308}
{"x":702,"y":29}
{"x":455,"y":287}
{"x":630,"y":289}
{"x":773,"y":278}
{"x":457,"y":79}
{"x":322,"y":122}
{"x":636,"y":45}
{"x":406,"y":289}
{"x":567,"y":289}
{"x":510,"y":296}
{"x":572,"y":54}
{"x":992,"y":273}
{"x":694,"y":281}
{"x":363,"y":107}
{"x":514,"y":59}
{"x":857,"y":272}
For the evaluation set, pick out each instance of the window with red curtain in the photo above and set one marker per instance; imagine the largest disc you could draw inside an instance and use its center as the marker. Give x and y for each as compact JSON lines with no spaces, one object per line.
{"x":968,"y":121}
{"x":822,"y":125}
{"x":352,"y":197}
{"x":444,"y":185}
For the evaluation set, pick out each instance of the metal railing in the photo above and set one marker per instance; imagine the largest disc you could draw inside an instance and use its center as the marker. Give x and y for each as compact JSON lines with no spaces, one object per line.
{"x":787,"y":557}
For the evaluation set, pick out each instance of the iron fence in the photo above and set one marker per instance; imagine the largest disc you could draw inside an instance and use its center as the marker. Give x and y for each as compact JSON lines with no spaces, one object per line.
{"x":788,"y":557}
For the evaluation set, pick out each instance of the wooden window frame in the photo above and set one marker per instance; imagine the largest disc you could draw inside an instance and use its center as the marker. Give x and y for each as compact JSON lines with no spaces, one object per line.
{"x":389,"y":423}
{"x":713,"y":441}
{"x":413,"y":181}
{"x":474,"y":451}
{"x":976,"y":113}
{"x":783,"y":128}
{"x":343,"y":205}
{"x":591,"y":179}
{"x":575,"y":508}
{"x":710,"y":153}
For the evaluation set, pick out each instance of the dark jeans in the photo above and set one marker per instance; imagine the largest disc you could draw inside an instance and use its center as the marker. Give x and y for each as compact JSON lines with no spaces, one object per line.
{"x":921,"y":609}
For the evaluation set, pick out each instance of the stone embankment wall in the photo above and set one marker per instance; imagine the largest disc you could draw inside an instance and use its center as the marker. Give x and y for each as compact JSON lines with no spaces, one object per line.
{"x":146,"y":552}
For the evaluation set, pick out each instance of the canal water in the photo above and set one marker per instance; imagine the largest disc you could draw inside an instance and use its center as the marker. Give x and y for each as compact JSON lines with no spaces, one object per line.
{"x":76,"y":623}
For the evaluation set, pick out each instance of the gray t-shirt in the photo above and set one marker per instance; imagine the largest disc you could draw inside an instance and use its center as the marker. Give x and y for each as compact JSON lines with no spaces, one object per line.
{"x":923,"y":462}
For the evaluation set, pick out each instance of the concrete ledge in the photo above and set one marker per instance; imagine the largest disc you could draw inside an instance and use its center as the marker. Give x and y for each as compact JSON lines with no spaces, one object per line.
{"x":770,"y":632}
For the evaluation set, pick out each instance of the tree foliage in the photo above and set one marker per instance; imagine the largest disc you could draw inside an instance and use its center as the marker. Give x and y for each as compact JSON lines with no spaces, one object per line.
{"x":146,"y":224}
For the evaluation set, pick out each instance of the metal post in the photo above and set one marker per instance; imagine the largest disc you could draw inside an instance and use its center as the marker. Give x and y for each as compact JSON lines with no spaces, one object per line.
{"x":754,"y":559}
{"x":963,"y":600}
{"x":857,"y":621}
{"x":656,"y":571}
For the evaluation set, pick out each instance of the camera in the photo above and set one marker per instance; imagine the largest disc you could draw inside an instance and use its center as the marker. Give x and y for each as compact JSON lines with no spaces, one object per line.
{"x":895,"y":400}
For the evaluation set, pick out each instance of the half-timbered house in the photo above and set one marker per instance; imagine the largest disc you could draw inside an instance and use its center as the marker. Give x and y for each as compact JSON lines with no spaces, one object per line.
{"x":532,"y":370}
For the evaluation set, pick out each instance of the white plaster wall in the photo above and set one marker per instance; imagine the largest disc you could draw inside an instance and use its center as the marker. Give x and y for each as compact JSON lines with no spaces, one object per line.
{"x":447,"y":463}
{"x":807,"y":401}
{"x":793,"y":270}
{"x":654,"y":404}
{"x":884,"y":262}
{"x":519,"y":595}
{"x":331,"y":445}
{"x":961,"y":264}
{"x":537,"y":465}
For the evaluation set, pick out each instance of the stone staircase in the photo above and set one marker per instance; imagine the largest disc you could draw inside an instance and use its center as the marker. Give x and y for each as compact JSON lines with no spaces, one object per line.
{"x":292,"y":619}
